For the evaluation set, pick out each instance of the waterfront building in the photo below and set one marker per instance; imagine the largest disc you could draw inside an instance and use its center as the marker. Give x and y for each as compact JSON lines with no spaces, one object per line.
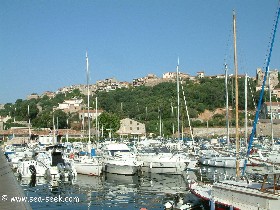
{"x":131,"y":127}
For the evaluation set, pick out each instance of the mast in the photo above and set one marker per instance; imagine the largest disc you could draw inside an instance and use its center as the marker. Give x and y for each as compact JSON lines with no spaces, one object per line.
{"x":53,"y":142}
{"x":29,"y":124}
{"x":87,"y":69}
{"x":96,"y":122}
{"x":246,"y":107}
{"x":262,"y":91}
{"x":178,"y":100}
{"x":236,"y":97}
{"x":67,"y":134}
{"x":227,"y":117}
{"x":160,"y":126}
{"x":271,"y":118}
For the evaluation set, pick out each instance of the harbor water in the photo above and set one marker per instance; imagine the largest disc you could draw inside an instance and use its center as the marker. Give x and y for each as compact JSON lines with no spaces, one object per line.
{"x":110,"y":191}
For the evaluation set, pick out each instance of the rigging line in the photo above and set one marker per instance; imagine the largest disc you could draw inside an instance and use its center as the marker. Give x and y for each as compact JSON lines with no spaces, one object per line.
{"x":252,"y":95}
{"x":262,"y":91}
{"x":186,"y":107}
{"x":228,"y":47}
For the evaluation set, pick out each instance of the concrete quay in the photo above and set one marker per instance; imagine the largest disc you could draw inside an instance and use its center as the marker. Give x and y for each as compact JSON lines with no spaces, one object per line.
{"x":10,"y":188}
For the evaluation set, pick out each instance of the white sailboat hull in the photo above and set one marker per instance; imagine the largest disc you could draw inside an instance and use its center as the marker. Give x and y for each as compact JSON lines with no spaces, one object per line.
{"x":23,"y":168}
{"x":88,"y":169}
{"x":166,"y":163}
{"x":240,"y":196}
{"x":225,"y":162}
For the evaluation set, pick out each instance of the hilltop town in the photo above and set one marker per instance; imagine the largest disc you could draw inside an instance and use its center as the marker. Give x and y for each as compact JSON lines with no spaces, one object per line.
{"x":152,"y":80}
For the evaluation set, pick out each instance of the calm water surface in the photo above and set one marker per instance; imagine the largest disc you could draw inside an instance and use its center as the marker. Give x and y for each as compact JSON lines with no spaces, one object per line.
{"x":110,"y":191}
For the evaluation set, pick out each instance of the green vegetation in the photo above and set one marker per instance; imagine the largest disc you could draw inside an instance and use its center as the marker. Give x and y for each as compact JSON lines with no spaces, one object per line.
{"x":144,"y":104}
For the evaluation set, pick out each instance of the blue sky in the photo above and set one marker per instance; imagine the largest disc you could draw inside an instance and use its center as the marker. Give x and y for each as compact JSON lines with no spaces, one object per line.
{"x":43,"y":43}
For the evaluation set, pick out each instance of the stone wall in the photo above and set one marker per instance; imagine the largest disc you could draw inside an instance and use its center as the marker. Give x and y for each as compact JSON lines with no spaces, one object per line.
{"x":208,"y":132}
{"x":263,"y":129}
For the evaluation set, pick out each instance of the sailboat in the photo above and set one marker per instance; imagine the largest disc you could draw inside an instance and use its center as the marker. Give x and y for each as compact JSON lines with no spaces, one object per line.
{"x":241,"y":193}
{"x":225,"y":158}
{"x":88,"y":164}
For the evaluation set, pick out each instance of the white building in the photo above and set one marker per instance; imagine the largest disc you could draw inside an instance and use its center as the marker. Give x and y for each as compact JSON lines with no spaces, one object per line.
{"x":71,"y":105}
{"x":173,"y":75}
{"x":92,"y":114}
{"x":200,"y":74}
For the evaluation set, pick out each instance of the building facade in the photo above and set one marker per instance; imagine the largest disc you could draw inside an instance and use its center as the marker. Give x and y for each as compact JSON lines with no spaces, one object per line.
{"x":131,"y":127}
{"x":273,"y":75}
{"x":72,"y":105}
{"x":269,"y":109}
{"x":83,"y":114}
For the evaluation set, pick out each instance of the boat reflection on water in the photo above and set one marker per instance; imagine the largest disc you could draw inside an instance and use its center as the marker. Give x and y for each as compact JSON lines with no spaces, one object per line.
{"x":121,"y":179}
{"x":91,"y":182}
{"x":163,"y":183}
{"x":112,"y":191}
{"x":173,"y":188}
{"x":32,"y":181}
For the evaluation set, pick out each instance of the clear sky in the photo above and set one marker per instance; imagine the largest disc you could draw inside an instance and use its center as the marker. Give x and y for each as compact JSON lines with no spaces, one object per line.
{"x":43,"y":42}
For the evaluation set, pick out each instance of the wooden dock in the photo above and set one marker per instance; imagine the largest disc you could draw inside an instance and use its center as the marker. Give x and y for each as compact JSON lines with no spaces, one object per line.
{"x":10,"y":188}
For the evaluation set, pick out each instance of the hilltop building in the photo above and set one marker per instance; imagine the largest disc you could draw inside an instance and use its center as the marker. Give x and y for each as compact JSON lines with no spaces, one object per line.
{"x":49,"y":94}
{"x":83,"y":114}
{"x":200,"y":74}
{"x":273,"y":76}
{"x":72,"y":105}
{"x":107,"y":84}
{"x":33,"y":96}
{"x":173,"y":75}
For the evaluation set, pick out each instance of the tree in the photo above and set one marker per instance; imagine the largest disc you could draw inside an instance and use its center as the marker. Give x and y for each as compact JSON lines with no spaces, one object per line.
{"x":109,"y":122}
{"x":60,"y":119}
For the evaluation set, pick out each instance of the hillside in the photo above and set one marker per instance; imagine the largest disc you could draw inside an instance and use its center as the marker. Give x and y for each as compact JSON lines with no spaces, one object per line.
{"x":205,"y":100}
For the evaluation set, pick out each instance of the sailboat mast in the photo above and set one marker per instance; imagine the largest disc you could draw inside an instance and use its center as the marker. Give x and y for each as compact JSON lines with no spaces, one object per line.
{"x":270,"y":104}
{"x":227,"y":116}
{"x":53,"y":142}
{"x":160,"y":127}
{"x":96,"y":121}
{"x":236,"y":97}
{"x":87,"y":69}
{"x":246,"y":110}
{"x":262,"y":90}
{"x":178,"y":101}
{"x":29,"y":124}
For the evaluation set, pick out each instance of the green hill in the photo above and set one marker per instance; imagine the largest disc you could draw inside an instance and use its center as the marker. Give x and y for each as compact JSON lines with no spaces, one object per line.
{"x":145,"y":104}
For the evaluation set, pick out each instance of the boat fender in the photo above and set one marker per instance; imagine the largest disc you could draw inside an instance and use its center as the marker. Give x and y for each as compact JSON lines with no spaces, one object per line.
{"x":212,"y":204}
{"x":71,"y":156}
{"x":169,"y":205}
